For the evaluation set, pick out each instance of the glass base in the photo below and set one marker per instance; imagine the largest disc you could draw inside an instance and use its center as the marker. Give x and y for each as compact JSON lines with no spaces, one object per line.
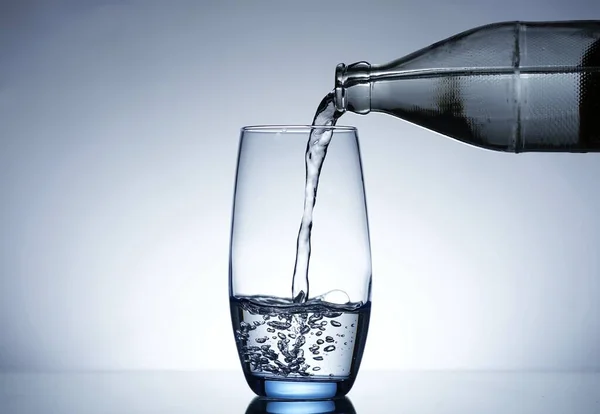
{"x":299,"y":389}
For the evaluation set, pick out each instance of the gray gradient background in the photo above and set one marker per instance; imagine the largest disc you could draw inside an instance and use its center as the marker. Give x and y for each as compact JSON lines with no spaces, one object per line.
{"x":119,"y":126}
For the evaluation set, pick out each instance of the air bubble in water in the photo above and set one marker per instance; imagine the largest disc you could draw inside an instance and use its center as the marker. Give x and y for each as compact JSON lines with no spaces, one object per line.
{"x":336,"y":324}
{"x":329,"y":348}
{"x":300,"y":341}
{"x":279,"y":325}
{"x":315,"y":317}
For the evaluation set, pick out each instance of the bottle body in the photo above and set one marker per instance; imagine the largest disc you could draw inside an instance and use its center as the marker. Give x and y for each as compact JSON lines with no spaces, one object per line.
{"x":510,"y":86}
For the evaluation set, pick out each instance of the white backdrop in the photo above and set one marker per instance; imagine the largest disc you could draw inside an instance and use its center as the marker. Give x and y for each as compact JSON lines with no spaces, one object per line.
{"x":119,"y":125}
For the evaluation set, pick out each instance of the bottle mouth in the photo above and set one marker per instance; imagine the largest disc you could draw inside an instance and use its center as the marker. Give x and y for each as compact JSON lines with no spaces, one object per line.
{"x":339,"y":96}
{"x":352,"y":88}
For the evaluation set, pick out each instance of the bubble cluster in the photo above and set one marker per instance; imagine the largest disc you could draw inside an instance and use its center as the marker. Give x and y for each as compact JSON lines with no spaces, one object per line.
{"x":295,"y":342}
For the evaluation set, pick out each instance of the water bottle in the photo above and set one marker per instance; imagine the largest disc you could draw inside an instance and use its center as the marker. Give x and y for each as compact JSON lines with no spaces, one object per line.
{"x":511,"y":86}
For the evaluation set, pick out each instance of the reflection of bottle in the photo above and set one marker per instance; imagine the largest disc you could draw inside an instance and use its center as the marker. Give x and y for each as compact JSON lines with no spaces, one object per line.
{"x":511,"y":86}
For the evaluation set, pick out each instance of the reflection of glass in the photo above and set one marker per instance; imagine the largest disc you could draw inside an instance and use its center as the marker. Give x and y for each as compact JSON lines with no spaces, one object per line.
{"x":266,"y":406}
{"x":312,"y":349}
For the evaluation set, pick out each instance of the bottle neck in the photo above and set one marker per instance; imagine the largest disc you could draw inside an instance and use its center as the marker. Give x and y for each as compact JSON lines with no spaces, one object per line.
{"x":353,"y":88}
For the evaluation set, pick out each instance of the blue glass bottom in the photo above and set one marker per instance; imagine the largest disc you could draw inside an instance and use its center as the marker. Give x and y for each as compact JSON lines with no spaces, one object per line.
{"x":299,"y":389}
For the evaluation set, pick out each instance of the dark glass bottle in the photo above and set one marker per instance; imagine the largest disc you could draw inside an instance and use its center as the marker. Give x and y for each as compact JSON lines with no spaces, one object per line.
{"x":512,"y":86}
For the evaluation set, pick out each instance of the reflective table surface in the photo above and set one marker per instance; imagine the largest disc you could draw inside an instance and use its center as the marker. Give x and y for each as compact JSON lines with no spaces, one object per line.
{"x":374,"y":392}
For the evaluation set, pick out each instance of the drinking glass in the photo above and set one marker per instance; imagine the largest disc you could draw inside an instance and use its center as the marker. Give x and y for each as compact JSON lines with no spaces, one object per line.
{"x":310,"y":348}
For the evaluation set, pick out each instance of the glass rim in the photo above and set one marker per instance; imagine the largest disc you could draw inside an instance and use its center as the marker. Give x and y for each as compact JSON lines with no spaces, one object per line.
{"x":295,"y":128}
